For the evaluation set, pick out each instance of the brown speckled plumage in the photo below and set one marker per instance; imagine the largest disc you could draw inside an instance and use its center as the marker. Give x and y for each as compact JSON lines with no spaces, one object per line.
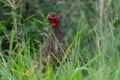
{"x":55,"y":47}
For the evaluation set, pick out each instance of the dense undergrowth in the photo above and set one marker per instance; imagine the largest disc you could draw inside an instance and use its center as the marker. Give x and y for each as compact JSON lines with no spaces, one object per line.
{"x":91,"y":29}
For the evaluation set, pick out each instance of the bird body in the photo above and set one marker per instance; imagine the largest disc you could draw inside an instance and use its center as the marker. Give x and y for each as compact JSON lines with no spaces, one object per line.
{"x":55,"y":45}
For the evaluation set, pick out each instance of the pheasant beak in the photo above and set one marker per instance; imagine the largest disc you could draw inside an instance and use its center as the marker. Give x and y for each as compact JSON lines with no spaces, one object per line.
{"x":47,"y":17}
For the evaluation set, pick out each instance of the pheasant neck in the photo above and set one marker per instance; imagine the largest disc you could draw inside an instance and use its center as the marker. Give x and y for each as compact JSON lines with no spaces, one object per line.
{"x":56,"y":32}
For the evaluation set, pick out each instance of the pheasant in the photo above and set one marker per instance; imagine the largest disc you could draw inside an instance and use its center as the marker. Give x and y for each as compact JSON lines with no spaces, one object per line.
{"x":55,"y":45}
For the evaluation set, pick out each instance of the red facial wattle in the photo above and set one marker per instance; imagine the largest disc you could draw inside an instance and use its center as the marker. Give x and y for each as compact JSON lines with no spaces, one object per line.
{"x":53,"y":22}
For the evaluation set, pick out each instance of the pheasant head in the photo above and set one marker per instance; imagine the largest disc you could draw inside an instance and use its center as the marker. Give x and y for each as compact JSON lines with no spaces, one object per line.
{"x":53,"y":18}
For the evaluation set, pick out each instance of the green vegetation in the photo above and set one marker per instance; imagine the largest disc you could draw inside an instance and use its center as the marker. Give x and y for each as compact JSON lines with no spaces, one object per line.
{"x":91,"y":29}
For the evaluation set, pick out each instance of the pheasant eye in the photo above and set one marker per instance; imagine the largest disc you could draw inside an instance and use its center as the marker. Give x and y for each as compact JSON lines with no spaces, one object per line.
{"x":53,"y":15}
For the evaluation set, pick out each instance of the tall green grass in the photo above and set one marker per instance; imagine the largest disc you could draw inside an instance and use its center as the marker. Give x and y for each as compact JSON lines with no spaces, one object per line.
{"x":94,"y":51}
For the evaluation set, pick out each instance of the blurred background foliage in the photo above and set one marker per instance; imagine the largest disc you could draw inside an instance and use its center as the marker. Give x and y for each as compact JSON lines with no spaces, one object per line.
{"x":26,"y":19}
{"x":90,"y":27}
